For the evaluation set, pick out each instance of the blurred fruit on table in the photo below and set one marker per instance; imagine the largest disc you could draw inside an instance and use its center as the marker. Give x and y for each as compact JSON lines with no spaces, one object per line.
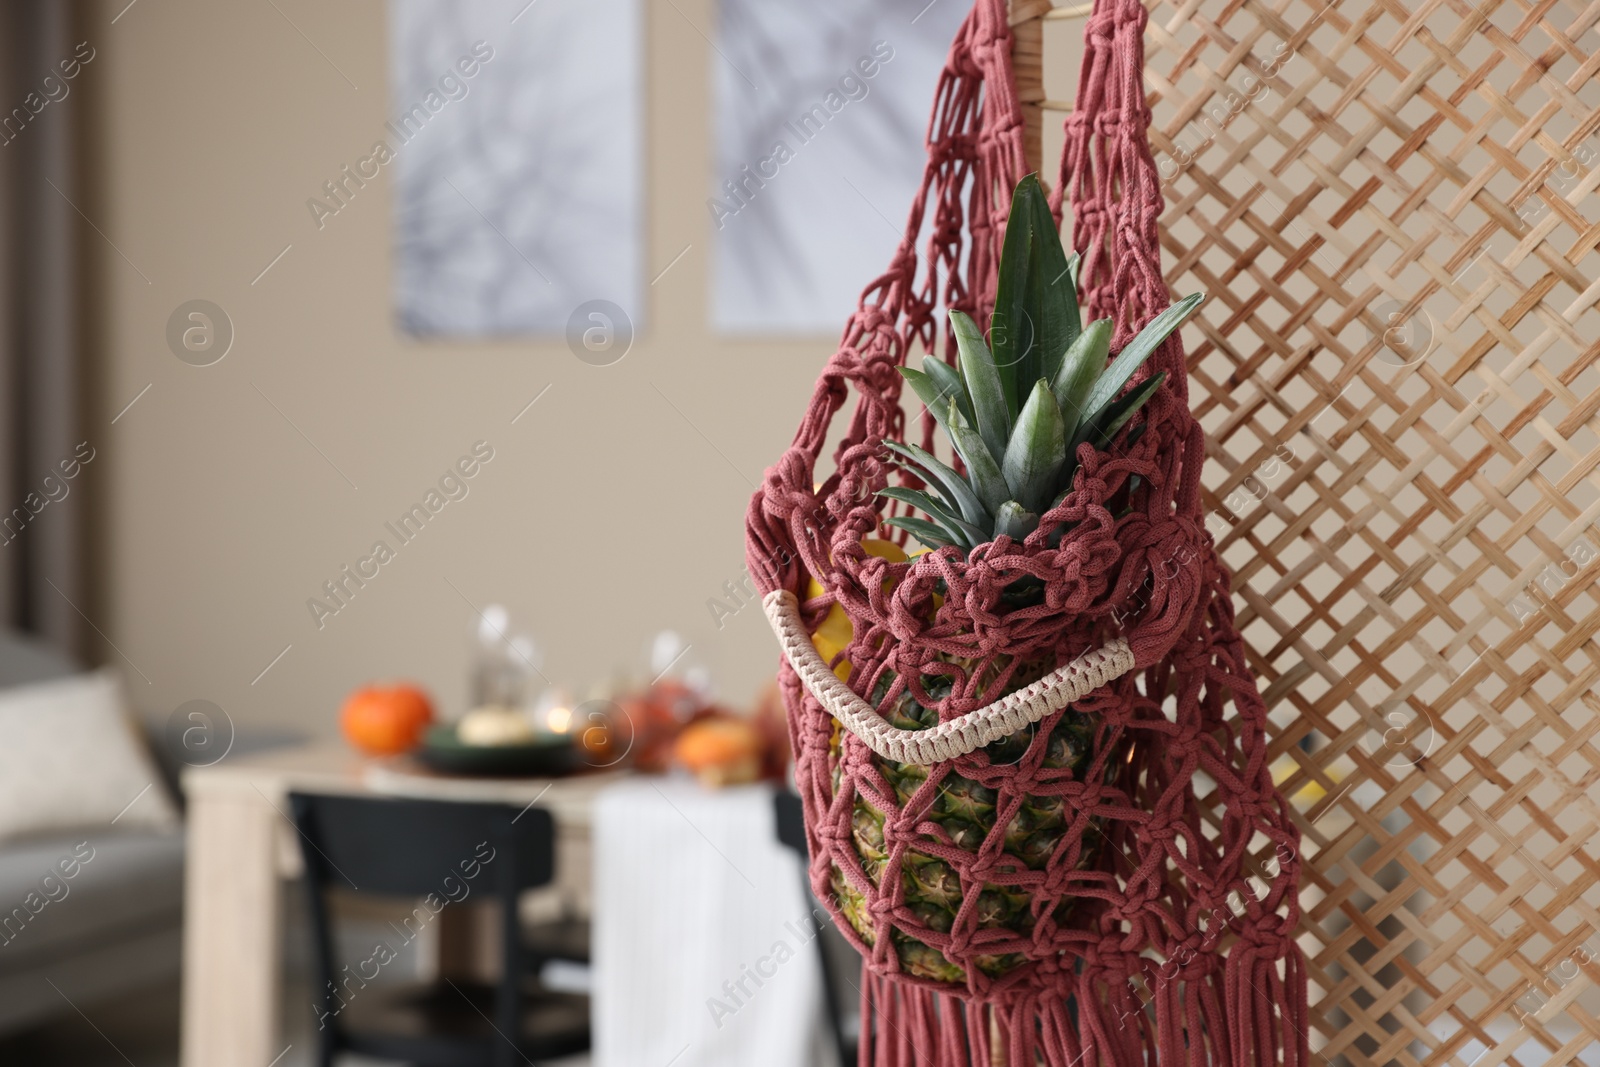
{"x":385,"y":720}
{"x":593,"y":727}
{"x":672,"y":724}
{"x":494,"y":726}
{"x":676,"y":723}
{"x":721,"y":749}
{"x":649,"y":719}
{"x":652,"y":719}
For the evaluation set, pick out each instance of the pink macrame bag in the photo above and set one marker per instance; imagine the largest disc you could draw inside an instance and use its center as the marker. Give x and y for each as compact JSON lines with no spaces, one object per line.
{"x":1152,"y":932}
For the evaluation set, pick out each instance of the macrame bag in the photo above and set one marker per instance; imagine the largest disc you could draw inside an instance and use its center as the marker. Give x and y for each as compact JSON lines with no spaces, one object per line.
{"x":1131,"y":925}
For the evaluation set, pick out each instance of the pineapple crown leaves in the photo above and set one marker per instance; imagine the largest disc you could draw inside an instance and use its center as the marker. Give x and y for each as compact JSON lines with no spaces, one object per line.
{"x":1017,"y":406}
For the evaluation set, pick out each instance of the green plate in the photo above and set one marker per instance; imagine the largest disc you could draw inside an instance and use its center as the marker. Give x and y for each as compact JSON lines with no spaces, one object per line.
{"x":443,"y":751}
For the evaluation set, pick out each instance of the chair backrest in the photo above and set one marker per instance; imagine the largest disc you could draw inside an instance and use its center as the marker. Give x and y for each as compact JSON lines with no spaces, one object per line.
{"x":411,"y":847}
{"x":454,"y":851}
{"x":791,"y":822}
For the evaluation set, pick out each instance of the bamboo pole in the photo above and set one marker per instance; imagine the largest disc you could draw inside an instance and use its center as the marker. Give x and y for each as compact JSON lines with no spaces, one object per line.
{"x":1027,"y":61}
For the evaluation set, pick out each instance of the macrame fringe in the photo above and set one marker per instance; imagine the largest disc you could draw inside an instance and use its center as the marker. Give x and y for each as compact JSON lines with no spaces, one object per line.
{"x":1246,"y":1015}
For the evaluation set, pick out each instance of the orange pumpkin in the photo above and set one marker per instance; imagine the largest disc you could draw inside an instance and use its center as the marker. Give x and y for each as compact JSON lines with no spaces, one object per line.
{"x":720,"y":750}
{"x":385,"y":720}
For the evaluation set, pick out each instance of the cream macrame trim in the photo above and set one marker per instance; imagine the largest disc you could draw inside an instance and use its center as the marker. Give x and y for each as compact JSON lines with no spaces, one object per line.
{"x":949,"y":739}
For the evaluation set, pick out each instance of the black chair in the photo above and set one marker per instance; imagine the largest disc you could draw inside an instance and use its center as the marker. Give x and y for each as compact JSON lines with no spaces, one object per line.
{"x":444,"y":853}
{"x":792,"y":833}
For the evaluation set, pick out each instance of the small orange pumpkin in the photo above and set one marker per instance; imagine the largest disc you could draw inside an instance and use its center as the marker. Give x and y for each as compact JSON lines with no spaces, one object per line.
{"x":385,"y":720}
{"x":721,"y":750}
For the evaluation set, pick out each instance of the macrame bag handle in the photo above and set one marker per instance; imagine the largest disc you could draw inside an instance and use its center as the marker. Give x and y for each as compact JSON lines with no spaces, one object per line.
{"x":954,"y":737}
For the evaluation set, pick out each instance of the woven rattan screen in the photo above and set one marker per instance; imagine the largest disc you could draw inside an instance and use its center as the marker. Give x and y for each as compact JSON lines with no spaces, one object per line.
{"x":1392,"y":208}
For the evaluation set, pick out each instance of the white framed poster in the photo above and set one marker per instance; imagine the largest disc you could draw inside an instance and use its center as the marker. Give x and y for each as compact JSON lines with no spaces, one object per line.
{"x":821,"y":117}
{"x":516,"y":147}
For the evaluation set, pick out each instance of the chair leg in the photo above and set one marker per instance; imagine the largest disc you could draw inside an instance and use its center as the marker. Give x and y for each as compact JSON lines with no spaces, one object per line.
{"x":508,"y":991}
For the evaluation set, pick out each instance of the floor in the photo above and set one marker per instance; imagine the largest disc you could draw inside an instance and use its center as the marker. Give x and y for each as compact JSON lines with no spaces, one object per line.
{"x":142,"y":1031}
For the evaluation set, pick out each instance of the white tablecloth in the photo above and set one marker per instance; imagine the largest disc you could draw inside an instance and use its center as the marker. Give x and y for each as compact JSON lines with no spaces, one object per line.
{"x":702,"y":944}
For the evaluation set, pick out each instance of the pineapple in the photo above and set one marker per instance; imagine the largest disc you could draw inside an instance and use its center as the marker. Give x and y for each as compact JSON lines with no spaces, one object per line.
{"x":1015,"y":413}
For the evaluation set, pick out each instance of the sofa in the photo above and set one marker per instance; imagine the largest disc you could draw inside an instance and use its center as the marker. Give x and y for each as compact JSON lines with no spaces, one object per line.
{"x":88,"y":914}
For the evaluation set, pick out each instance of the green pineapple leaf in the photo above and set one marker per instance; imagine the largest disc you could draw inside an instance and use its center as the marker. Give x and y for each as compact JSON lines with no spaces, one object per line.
{"x":961,"y":532}
{"x":1030,"y":351}
{"x":949,"y":382}
{"x":1036,"y":452}
{"x":928,"y":500}
{"x":1015,"y":427}
{"x":927,"y":391}
{"x":984,"y":471}
{"x":1082,"y":364}
{"x":984,"y":384}
{"x":1058,"y":320}
{"x":922,"y":530}
{"x":1015,"y":521}
{"x":1010,"y":330}
{"x":1136,"y":351}
{"x":1100,"y":430}
{"x":932,"y":471}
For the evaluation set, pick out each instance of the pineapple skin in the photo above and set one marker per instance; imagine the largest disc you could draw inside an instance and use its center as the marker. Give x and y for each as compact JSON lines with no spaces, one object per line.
{"x":965,"y":812}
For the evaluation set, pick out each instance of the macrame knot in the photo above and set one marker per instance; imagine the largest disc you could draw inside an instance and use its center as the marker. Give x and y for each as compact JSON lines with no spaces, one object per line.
{"x":1099,"y":32}
{"x":784,"y":489}
{"x":853,"y":365}
{"x":1265,"y":938}
{"x":1107,"y":124}
{"x":873,"y":328}
{"x":1091,"y":216}
{"x":1124,"y":13}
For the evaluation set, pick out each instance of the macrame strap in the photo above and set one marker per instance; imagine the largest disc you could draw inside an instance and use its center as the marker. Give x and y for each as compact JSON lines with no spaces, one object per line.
{"x":1109,"y":178}
{"x":955,"y":737}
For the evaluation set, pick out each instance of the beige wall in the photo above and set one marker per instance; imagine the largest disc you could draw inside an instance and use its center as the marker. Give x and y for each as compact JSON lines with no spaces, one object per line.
{"x":605,"y":514}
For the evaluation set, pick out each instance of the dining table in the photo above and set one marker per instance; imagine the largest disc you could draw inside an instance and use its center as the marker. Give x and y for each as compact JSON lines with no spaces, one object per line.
{"x":703,"y":950}
{"x":242,"y":845}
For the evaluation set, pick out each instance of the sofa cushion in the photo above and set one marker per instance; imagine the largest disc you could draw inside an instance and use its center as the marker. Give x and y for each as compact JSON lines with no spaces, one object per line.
{"x":72,"y":760}
{"x":64,"y":893}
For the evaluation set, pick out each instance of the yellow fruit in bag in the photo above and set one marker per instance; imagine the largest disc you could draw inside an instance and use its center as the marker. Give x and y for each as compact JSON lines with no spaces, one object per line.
{"x":835,"y":633}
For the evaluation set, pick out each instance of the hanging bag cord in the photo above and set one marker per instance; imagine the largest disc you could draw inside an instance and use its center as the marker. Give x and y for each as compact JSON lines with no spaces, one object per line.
{"x":1110,"y":175}
{"x":1076,"y":1001}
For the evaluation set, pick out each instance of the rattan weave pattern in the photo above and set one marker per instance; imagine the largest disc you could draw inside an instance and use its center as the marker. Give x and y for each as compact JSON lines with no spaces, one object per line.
{"x":1392,"y":207}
